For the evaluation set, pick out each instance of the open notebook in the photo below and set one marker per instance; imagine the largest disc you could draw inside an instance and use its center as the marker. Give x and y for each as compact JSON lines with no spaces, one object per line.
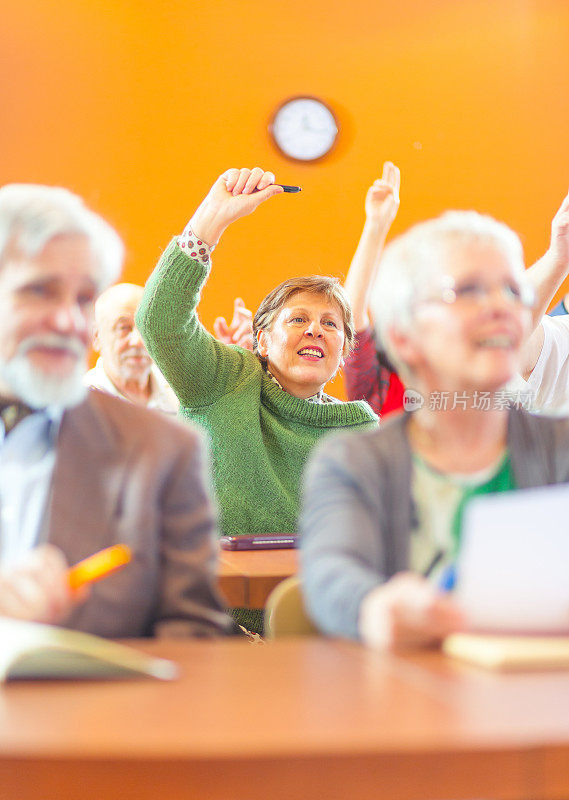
{"x":30,"y":650}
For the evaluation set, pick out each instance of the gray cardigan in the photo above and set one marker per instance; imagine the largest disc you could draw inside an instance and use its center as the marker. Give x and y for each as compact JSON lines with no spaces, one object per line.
{"x":358,"y":512}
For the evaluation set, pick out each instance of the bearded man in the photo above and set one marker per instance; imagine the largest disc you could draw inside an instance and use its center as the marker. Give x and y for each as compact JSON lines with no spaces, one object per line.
{"x":81,"y":470}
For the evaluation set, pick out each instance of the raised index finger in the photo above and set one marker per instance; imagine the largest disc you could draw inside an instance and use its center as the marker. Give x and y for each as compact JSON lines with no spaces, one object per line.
{"x":391,"y":175}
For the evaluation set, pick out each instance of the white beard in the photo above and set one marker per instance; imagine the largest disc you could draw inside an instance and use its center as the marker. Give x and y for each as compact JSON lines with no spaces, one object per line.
{"x":38,"y":389}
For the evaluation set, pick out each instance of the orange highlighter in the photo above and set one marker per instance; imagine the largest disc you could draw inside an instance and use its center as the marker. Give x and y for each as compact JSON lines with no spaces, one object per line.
{"x":98,"y":565}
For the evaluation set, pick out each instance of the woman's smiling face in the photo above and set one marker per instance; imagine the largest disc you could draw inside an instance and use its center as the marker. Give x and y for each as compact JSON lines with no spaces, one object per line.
{"x":469,"y":337}
{"x":304,"y":346}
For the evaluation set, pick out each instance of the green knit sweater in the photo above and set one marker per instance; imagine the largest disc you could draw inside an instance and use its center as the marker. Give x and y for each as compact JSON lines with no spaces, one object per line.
{"x":260,"y":435}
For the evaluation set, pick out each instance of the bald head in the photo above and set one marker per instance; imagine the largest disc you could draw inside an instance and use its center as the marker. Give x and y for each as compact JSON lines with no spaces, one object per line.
{"x":116,"y":299}
{"x":125,"y":359}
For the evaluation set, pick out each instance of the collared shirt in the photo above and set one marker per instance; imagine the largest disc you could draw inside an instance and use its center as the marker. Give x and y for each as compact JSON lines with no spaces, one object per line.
{"x":162,"y":396}
{"x":27,"y":459}
{"x":320,"y":397}
{"x":201,"y":252}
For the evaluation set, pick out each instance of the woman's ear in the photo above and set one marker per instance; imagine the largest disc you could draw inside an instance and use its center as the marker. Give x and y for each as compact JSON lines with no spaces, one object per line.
{"x":262,"y":343}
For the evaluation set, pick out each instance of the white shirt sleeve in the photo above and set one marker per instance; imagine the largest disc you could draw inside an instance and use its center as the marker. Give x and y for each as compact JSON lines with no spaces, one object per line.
{"x":549,"y":381}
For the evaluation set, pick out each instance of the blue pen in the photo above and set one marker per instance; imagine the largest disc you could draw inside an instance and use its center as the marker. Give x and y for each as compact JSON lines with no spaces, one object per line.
{"x":447,"y":580}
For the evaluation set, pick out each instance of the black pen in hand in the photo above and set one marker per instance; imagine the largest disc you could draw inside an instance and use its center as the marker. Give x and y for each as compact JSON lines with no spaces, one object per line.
{"x":285,"y":188}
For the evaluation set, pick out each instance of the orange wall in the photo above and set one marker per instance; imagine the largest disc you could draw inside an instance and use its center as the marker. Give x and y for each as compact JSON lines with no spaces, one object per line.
{"x":138,"y":106}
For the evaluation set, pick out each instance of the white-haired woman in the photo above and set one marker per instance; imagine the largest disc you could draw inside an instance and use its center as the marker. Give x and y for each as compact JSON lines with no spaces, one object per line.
{"x":383,"y":509}
{"x":367,"y":373}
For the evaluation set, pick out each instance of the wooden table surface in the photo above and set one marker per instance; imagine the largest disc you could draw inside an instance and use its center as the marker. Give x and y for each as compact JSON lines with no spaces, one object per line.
{"x":295,"y":718}
{"x":247,"y":577}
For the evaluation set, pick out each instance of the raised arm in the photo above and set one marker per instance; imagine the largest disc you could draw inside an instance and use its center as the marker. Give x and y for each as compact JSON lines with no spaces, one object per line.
{"x":235,"y":194}
{"x":547,"y":275}
{"x":197,"y":366}
{"x":549,"y":272}
{"x":381,"y":205}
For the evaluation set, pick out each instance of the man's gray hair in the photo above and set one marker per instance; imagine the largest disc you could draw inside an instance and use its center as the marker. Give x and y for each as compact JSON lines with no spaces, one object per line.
{"x":411,"y":263}
{"x":31,"y":215}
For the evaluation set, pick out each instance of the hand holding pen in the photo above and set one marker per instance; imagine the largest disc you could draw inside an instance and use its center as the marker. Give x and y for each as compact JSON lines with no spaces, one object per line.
{"x":236,"y":193}
{"x":407,"y":611}
{"x":286,"y":188}
{"x":447,"y":579}
{"x":41,"y":588}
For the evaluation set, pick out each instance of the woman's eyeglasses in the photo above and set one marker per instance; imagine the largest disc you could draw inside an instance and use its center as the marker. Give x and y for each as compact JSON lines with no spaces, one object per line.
{"x":472,"y":292}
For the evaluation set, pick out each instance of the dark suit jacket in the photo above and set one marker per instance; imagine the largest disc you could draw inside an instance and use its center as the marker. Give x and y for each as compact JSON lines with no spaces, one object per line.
{"x":126,"y":474}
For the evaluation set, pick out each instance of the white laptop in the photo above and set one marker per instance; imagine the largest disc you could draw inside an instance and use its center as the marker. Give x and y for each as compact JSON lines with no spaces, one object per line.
{"x":513,"y":568}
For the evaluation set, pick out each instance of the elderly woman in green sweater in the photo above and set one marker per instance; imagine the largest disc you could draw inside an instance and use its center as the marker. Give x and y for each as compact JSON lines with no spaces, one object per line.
{"x":263,"y":410}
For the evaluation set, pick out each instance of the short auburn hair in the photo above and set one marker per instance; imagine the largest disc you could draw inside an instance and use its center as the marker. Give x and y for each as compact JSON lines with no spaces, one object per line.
{"x":323,"y":285}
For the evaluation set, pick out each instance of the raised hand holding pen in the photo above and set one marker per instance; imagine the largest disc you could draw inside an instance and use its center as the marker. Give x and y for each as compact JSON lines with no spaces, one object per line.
{"x":234,"y":194}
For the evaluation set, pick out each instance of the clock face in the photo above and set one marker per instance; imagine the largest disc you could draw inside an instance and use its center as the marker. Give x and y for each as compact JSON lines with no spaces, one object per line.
{"x":304,"y":128}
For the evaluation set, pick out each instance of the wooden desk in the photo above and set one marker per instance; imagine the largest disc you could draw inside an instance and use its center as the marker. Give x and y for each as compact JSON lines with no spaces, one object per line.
{"x":306,"y":718}
{"x":247,"y":577}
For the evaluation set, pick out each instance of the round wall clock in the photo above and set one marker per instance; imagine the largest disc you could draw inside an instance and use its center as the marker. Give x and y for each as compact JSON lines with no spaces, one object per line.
{"x":304,"y":128}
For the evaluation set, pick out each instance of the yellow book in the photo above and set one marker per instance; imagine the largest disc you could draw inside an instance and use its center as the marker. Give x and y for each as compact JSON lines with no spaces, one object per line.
{"x":500,"y":652}
{"x":34,"y":651}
